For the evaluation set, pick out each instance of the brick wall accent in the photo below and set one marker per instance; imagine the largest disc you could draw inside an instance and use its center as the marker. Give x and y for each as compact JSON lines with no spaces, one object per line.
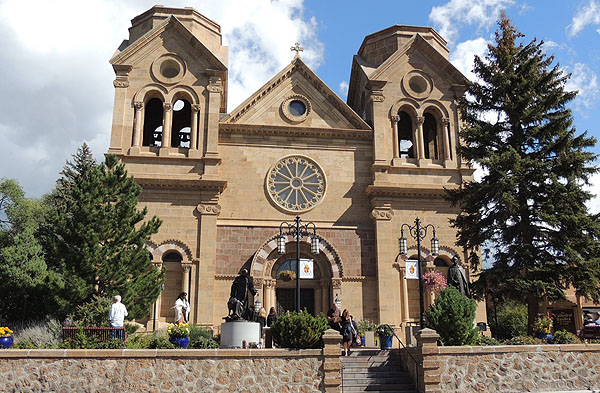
{"x":166,"y":370}
{"x":236,"y":246}
{"x":506,"y":368}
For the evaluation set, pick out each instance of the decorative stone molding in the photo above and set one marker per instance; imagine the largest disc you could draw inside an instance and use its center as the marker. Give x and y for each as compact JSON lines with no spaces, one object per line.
{"x":167,"y":106}
{"x":214,"y":88}
{"x":395,"y":118}
{"x":296,"y":118}
{"x":186,"y":267}
{"x":196,"y":108}
{"x":138,"y":105}
{"x":336,"y":283}
{"x":258,"y":283}
{"x":335,"y":133}
{"x":418,"y":84}
{"x":420,"y":120}
{"x":445,"y":121}
{"x":209,"y":209}
{"x":353,"y":278}
{"x":168,"y":69}
{"x":214,"y":84}
{"x":377,"y":96}
{"x":173,"y":245}
{"x":120,"y":82}
{"x":382,"y":214}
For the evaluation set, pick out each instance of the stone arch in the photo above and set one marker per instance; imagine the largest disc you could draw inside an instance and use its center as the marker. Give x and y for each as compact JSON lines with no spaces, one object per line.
{"x":152,"y":90}
{"x":438,"y":110}
{"x":182,"y":92}
{"x":406,"y":104}
{"x":151,"y":247}
{"x":173,"y":245}
{"x":260,"y":266}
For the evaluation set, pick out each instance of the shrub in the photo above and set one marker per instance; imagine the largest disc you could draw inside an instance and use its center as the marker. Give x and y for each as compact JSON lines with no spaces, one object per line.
{"x":384,"y":330}
{"x":565,"y":337}
{"x":364,"y":325}
{"x":202,"y":343}
{"x":512,"y":320}
{"x":524,"y":340}
{"x":485,"y":341}
{"x":93,"y":313}
{"x":156,"y":340}
{"x":451,"y":316}
{"x":131,"y":328}
{"x":301,"y":330}
{"x":43,"y":334}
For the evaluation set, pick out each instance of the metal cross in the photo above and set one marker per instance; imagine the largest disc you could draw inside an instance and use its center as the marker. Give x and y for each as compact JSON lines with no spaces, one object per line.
{"x":297,"y":48}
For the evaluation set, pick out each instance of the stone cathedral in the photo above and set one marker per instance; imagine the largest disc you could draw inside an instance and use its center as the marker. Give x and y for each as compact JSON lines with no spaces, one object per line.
{"x":223,"y":181}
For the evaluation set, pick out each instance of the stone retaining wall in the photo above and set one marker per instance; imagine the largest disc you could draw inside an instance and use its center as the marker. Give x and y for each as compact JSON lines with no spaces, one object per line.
{"x":130,"y":370}
{"x":506,"y":368}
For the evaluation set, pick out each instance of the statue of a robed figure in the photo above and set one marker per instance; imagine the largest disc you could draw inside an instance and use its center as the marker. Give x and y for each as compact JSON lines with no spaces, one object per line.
{"x":238,"y":298}
{"x":457,"y":278}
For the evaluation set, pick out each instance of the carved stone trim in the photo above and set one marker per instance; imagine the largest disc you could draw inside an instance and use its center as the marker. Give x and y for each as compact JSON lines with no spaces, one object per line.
{"x":186,"y":267}
{"x":336,"y":283}
{"x":395,"y":118}
{"x":354,"y":278}
{"x":339,"y":133}
{"x":196,"y":108}
{"x":420,"y":120}
{"x":445,"y":121}
{"x":377,"y":96}
{"x":120,"y":82}
{"x":382,"y":214}
{"x":258,"y":283}
{"x":214,"y":84}
{"x":138,"y":105}
{"x":209,"y":209}
{"x":167,"y":106}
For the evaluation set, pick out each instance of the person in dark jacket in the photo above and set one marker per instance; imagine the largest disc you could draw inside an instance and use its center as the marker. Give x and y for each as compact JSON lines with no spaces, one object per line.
{"x":272,"y":317}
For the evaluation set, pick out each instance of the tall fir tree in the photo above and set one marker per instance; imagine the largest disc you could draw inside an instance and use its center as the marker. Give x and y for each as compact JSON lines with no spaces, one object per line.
{"x":530,"y":203}
{"x":94,"y":236}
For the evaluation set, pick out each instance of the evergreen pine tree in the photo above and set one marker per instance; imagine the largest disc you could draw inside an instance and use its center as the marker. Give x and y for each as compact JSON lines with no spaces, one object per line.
{"x":94,"y":236}
{"x":530,"y":203}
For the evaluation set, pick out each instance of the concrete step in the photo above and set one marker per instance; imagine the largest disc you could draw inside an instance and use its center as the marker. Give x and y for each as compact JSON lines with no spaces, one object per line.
{"x":377,"y":381}
{"x":380,"y":388}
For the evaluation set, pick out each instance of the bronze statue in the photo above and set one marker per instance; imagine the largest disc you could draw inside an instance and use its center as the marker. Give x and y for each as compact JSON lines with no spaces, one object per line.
{"x":457,"y":278}
{"x":238,"y":298}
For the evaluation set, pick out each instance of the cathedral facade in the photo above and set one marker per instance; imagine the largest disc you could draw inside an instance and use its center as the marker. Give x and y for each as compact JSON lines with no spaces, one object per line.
{"x":225,"y":182}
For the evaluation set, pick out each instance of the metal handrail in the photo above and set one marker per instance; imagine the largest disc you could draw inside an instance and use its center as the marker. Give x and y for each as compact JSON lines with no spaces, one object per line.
{"x":417,"y":364}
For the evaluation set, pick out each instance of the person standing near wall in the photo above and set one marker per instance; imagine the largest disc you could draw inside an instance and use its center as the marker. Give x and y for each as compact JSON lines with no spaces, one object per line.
{"x":116,"y":316}
{"x":182,"y":308}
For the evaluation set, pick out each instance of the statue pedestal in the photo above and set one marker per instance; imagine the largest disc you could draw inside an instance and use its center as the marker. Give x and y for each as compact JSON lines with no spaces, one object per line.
{"x":235,"y":332}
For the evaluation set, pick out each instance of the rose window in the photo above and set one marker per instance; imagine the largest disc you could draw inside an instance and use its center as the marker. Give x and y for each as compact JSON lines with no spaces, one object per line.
{"x":296,"y":183}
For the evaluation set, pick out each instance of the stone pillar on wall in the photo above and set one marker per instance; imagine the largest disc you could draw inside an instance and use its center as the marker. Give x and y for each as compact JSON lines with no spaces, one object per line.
{"x":445,"y":138}
{"x":387,"y":278}
{"x":204,"y":304}
{"x":332,"y":364}
{"x":120,"y":119}
{"x":396,"y":149}
{"x":137,"y":129}
{"x":165,"y":143}
{"x":381,"y":125}
{"x":157,"y":303}
{"x":194,"y":132}
{"x":420,"y":139}
{"x":429,"y":378}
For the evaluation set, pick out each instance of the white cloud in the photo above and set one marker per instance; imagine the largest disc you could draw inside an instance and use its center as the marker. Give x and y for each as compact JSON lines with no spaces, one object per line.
{"x":343,"y":88}
{"x":586,"y":14}
{"x":463,"y":56}
{"x":449,"y":17}
{"x":57,"y":82}
{"x":585,"y":81}
{"x":594,"y":204}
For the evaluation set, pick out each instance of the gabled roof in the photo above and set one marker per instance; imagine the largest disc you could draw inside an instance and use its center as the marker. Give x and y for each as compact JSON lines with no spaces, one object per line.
{"x":297,"y":66}
{"x":122,"y":57}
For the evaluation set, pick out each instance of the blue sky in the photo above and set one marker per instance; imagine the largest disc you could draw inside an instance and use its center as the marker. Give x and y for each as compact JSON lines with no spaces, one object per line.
{"x":57,"y":82}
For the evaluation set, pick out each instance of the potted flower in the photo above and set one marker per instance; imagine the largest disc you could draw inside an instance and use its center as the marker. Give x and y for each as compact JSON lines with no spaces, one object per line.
{"x":6,"y":338}
{"x":179,"y":334}
{"x":386,"y":334}
{"x":542,"y":328}
{"x":366,"y":331}
{"x":434,"y":282}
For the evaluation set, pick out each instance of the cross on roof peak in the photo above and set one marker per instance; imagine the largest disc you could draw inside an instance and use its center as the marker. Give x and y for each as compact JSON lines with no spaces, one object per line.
{"x":297,"y":48}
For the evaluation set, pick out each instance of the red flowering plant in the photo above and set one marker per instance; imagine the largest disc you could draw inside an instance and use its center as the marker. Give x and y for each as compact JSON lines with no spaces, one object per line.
{"x":542,"y":325}
{"x":434,"y":281}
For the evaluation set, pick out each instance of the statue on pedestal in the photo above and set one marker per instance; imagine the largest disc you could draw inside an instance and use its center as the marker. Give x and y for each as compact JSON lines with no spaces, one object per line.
{"x":457,"y":278}
{"x":238,"y":298}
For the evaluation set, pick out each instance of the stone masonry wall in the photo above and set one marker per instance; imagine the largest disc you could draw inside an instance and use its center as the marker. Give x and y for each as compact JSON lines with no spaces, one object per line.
{"x":125,"y":370}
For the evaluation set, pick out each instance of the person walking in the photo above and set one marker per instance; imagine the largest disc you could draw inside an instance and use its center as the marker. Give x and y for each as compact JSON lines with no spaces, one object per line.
{"x":116,"y":316}
{"x":182,"y":308}
{"x":347,"y":331}
{"x":272,"y":317}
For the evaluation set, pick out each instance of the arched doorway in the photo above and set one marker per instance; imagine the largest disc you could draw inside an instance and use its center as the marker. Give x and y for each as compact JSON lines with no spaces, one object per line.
{"x":277,"y":290}
{"x":172,"y":285}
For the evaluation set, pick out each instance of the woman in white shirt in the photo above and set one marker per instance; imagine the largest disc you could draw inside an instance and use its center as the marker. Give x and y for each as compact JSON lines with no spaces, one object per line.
{"x":182,"y":308}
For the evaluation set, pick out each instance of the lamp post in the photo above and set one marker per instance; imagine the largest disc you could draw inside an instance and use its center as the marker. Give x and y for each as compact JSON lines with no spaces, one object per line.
{"x":298,"y":230}
{"x":419,"y":232}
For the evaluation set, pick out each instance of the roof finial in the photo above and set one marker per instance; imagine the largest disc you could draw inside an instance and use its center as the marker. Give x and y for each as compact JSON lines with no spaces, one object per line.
{"x":297,"y":48}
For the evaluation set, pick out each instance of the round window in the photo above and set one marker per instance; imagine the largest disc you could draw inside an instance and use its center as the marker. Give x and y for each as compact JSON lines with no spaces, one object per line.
{"x":296,"y":108}
{"x":296,"y":183}
{"x":418,"y":84}
{"x":169,"y":68}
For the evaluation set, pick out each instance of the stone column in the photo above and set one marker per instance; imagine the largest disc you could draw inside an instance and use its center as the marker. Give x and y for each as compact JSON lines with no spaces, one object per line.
{"x":194,"y":128}
{"x":204,"y":306}
{"x":429,"y":378}
{"x":214,"y":104}
{"x":404,"y":288}
{"x":158,"y":303}
{"x":396,"y":150}
{"x":137,"y":130}
{"x":121,"y":123}
{"x":166,"y":132}
{"x":185,"y":278}
{"x":380,"y":125}
{"x":446,"y":138}
{"x":420,"y":140}
{"x":332,"y":365}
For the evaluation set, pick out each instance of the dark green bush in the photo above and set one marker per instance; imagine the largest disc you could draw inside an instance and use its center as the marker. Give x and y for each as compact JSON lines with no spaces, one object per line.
{"x":565,"y":337}
{"x":203,"y":343}
{"x":131,"y":328}
{"x":301,"y":330}
{"x":451,"y":316}
{"x":524,"y":340}
{"x":485,"y":340}
{"x":512,"y":320}
{"x":93,"y":313}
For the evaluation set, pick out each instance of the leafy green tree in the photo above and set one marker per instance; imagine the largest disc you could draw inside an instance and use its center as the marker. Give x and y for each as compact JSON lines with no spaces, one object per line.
{"x":27,"y":286}
{"x":530,"y":203}
{"x":452,"y":315}
{"x":94,"y":236}
{"x":512,"y":320}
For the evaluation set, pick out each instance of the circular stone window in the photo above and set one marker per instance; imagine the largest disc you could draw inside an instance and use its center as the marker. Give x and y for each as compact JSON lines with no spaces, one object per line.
{"x":417,"y":84}
{"x":168,"y":69}
{"x":296,"y":108}
{"x":296,"y":184}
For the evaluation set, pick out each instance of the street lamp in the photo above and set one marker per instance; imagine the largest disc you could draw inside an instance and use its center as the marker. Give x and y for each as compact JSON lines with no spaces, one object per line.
{"x":419,"y":232}
{"x":298,"y":230}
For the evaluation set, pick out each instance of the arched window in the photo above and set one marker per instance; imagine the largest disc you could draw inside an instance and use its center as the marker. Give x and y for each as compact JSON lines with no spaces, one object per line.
{"x":153,"y":120}
{"x":172,"y":256}
{"x":440,"y":262}
{"x":430,"y":136}
{"x":405,"y":135}
{"x":181,"y":128}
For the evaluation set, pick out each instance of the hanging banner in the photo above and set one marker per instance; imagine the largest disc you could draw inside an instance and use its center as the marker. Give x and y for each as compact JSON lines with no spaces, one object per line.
{"x":411,"y":270}
{"x":307,"y":269}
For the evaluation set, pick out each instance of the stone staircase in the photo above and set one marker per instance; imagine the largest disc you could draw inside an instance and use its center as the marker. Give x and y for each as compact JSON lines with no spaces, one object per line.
{"x":374,"y":370}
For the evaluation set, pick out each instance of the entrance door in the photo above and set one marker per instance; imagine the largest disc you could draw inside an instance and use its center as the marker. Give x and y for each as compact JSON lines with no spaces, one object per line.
{"x":286,"y":300}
